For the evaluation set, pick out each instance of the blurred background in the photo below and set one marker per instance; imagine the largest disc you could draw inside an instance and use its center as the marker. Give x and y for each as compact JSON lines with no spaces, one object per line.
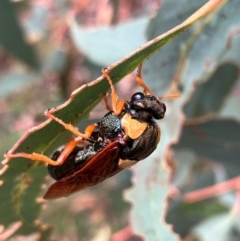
{"x":50,"y":48}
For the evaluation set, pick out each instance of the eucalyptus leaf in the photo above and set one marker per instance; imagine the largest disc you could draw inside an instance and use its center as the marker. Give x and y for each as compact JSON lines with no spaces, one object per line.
{"x":106,"y":45}
{"x":210,"y":95}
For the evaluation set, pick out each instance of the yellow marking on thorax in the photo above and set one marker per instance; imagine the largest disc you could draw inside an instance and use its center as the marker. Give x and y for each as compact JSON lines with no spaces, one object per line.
{"x":132,"y":127}
{"x":126,"y":163}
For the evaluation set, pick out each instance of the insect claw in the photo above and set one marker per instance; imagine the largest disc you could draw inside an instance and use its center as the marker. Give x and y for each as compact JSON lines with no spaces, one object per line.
{"x":47,"y":111}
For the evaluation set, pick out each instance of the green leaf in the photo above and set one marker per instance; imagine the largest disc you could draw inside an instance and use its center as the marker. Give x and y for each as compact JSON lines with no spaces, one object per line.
{"x":184,"y":216}
{"x":193,"y":172}
{"x":150,"y":188}
{"x":163,"y":66}
{"x":217,"y":140}
{"x":210,"y":96}
{"x":107,"y":45}
{"x":220,"y":226}
{"x":11,"y":35}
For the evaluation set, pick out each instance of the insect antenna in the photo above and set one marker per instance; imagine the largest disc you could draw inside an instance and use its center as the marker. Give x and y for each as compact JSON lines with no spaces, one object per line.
{"x":140,"y":81}
{"x":173,"y":96}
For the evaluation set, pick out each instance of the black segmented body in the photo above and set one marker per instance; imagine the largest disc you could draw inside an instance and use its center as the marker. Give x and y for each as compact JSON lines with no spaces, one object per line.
{"x":144,"y":145}
{"x":77,"y":158}
{"x":144,"y":109}
{"x":110,"y":126}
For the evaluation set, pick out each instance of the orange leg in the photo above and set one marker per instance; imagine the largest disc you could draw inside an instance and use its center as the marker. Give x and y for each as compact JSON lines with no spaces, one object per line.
{"x":67,"y":150}
{"x":87,"y":133}
{"x":40,"y":157}
{"x":117,"y":106}
{"x":105,"y":97}
{"x":140,"y":81}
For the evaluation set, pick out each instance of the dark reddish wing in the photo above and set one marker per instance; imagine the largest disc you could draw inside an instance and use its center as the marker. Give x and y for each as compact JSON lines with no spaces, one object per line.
{"x":96,"y":170}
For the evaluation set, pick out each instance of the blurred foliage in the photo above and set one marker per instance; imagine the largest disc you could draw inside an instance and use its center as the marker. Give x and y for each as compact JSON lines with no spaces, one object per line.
{"x":20,"y":48}
{"x":66,"y":43}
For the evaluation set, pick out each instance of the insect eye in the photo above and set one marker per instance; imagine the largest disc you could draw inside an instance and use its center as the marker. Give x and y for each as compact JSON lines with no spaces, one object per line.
{"x":137,"y":96}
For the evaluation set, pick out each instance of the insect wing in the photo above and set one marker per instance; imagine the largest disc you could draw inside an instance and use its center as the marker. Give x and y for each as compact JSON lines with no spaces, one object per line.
{"x":97,"y":169}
